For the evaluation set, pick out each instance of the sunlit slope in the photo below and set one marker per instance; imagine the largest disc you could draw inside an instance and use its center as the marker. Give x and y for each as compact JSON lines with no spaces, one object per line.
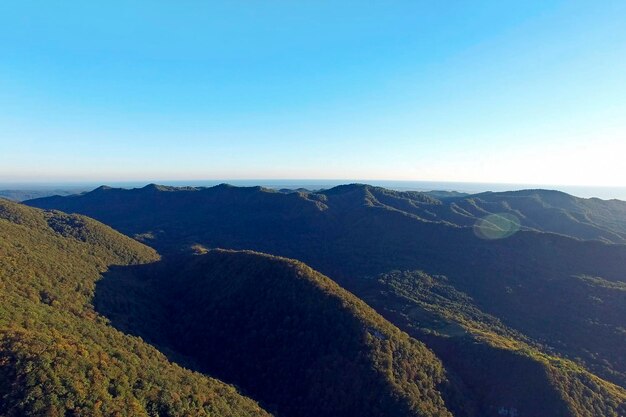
{"x":552,"y":211}
{"x":501,"y":368}
{"x":60,"y":358}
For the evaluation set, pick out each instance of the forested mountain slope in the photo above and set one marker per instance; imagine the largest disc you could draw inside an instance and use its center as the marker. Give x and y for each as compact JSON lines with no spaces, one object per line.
{"x":284,"y":333}
{"x":552,"y":211}
{"x":58,"y":357}
{"x":502,"y":369}
{"x":561,"y":295}
{"x":238,"y":314}
{"x":539,"y":210}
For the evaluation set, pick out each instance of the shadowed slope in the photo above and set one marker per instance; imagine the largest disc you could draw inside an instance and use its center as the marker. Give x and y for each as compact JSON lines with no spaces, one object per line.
{"x":58,"y":357}
{"x":542,"y":210}
{"x":287,"y":335}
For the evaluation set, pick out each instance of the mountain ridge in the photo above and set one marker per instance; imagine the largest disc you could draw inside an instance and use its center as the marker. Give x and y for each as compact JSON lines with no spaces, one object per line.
{"x":354,"y":232}
{"x":572,"y":218}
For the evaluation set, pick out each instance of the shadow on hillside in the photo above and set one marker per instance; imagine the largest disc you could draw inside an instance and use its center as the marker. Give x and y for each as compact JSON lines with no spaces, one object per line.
{"x":136,"y":301}
{"x":295,"y":362}
{"x":128,"y":297}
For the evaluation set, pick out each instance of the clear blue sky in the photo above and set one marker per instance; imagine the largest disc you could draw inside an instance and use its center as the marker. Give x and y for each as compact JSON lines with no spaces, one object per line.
{"x":488,"y":91}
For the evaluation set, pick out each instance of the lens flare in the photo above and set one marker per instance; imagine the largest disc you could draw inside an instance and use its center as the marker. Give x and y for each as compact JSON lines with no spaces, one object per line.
{"x":497,"y":226}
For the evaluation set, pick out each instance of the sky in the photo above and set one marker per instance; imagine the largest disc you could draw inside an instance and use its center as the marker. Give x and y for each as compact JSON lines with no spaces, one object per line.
{"x":530,"y":92}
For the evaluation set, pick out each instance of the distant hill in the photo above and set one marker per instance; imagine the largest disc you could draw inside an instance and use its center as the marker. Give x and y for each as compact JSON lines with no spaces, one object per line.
{"x":58,"y":357}
{"x":287,"y":335}
{"x":562,"y":294}
{"x":21,"y":195}
{"x":540,"y":210}
{"x":551,"y":211}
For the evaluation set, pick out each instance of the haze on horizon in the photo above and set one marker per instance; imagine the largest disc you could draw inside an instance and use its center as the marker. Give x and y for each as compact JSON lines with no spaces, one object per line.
{"x":487,"y":91}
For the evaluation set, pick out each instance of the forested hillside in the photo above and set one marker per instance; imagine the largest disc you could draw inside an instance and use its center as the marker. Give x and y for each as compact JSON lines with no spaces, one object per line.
{"x":563,"y":295}
{"x":502,"y":368}
{"x":287,"y":335}
{"x":552,"y":211}
{"x":58,"y":357}
{"x":539,"y":210}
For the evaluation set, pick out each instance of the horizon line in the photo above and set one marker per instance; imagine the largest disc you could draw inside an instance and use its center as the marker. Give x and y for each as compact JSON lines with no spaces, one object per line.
{"x":162,"y":181}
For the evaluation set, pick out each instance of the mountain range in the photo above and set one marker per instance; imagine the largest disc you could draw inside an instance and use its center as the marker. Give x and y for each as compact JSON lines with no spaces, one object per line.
{"x":356,"y":300}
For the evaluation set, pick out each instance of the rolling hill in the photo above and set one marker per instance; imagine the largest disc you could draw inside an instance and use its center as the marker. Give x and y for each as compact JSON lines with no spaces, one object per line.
{"x":29,"y":194}
{"x":549,"y":211}
{"x":58,"y":357}
{"x":502,"y":369}
{"x":287,"y":335}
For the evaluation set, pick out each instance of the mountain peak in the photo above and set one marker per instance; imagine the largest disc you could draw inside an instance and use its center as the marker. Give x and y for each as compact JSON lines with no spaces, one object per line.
{"x":155,"y":187}
{"x":347,"y":188}
{"x":103,"y":188}
{"x":158,"y":187}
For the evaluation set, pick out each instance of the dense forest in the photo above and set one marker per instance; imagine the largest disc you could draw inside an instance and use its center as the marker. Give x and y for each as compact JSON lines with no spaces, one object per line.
{"x":285,"y":334}
{"x":58,"y":357}
{"x":426,"y":304}
{"x":501,"y":365}
{"x":563,"y":291}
